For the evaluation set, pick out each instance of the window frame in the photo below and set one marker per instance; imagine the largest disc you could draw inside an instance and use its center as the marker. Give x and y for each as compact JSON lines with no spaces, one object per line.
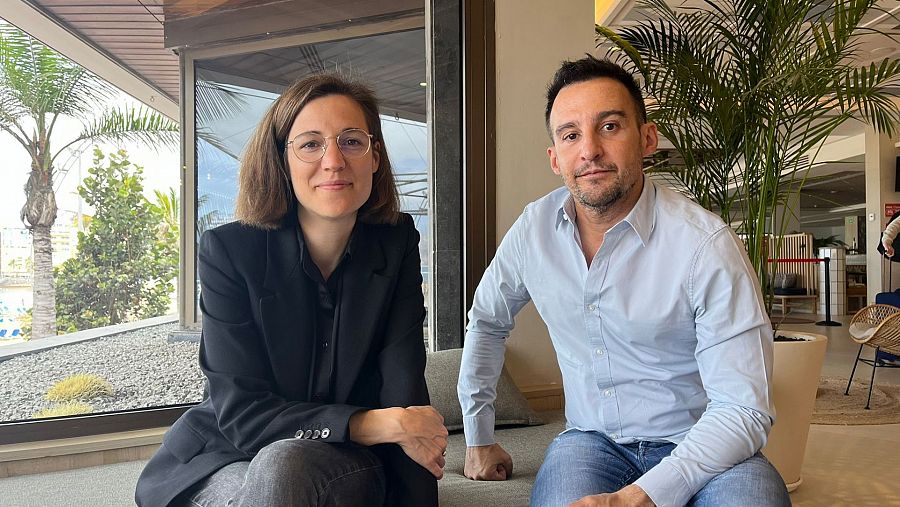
{"x":467,"y":161}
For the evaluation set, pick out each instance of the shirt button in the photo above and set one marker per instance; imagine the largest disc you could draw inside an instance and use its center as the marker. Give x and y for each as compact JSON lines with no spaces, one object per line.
{"x":613,"y":436}
{"x":599,"y":352}
{"x":607,"y":393}
{"x":592,"y":307}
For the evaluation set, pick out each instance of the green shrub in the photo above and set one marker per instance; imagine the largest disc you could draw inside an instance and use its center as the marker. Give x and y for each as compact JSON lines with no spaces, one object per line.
{"x":61,"y":409}
{"x":82,"y":386}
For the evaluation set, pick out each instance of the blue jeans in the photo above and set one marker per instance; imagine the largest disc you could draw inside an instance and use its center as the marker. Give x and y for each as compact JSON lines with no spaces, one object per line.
{"x":580,"y":463}
{"x":293,"y":473}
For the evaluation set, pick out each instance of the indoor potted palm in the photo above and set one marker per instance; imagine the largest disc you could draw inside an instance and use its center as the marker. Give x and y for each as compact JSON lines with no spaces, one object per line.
{"x":747,"y":92}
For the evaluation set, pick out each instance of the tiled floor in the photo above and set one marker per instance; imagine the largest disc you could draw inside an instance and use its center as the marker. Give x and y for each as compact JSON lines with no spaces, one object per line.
{"x":841,"y":349}
{"x":849,"y":465}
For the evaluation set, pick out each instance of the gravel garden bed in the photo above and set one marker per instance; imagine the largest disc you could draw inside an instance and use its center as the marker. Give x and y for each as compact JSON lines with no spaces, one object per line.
{"x":144,"y":368}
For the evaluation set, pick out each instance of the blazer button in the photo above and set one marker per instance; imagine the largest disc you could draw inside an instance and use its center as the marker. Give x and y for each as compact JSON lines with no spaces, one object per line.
{"x":307,"y":434}
{"x":299,"y":434}
{"x":326,"y":432}
{"x":316,"y":434}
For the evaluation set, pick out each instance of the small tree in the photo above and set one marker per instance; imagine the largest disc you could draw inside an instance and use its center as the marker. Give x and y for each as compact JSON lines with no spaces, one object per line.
{"x":127,"y":259}
{"x":38,"y":86}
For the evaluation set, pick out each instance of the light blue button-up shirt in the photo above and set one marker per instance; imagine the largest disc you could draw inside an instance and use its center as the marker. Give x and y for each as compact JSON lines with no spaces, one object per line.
{"x":663,"y":337}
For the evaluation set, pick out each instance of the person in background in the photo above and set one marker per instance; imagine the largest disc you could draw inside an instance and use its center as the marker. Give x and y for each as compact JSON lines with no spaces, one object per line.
{"x":312,"y":341}
{"x":656,"y":316}
{"x":888,"y":236}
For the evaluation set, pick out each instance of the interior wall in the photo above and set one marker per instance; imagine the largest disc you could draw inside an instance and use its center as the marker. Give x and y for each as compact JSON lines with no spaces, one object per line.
{"x":881,"y":155}
{"x":532,"y":38}
{"x":824,"y":232}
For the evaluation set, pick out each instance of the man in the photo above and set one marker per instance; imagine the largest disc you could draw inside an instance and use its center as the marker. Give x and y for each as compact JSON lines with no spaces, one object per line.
{"x":654,"y":311}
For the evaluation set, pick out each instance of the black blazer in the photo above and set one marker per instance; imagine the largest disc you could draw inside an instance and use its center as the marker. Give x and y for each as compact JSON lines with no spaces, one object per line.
{"x":257,"y":345}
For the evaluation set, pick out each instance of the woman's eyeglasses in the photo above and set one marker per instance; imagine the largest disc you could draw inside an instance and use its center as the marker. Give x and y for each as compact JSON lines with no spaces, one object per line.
{"x":310,"y":147}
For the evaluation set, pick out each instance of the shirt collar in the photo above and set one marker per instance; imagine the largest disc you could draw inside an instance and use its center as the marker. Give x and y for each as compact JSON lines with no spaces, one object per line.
{"x":306,"y":261}
{"x":566,"y":212}
{"x":641,"y":218}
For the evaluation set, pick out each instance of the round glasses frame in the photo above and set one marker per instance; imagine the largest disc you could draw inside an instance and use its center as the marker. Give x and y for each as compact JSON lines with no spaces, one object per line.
{"x":347,"y":151}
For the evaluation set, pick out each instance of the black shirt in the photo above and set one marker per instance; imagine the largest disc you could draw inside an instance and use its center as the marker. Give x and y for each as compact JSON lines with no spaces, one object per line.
{"x":328,"y":297}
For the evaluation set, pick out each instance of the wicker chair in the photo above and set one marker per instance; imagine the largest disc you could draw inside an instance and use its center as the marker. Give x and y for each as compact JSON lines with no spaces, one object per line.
{"x":877,"y":326}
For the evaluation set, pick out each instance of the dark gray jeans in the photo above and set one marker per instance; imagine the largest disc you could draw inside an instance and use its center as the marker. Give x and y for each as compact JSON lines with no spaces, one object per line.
{"x":295,"y":472}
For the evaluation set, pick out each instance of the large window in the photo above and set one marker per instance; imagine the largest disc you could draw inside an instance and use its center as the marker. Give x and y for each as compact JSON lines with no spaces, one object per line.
{"x":88,"y":240}
{"x":146,"y":374}
{"x":232,"y":92}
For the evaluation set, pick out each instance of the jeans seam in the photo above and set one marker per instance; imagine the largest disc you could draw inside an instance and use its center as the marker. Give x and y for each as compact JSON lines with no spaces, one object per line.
{"x":326,"y":489}
{"x":628,"y":478}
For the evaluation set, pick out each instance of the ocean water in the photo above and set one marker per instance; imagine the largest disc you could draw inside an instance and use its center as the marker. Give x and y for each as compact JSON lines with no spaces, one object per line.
{"x":14,"y":301}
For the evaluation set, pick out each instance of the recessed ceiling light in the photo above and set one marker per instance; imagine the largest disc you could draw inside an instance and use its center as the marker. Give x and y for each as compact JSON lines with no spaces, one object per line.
{"x":423,"y":83}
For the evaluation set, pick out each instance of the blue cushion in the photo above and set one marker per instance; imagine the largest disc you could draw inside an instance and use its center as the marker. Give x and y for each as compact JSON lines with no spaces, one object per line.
{"x":883,"y":358}
{"x":893,"y":299}
{"x":790,"y":291}
{"x":888,"y":298}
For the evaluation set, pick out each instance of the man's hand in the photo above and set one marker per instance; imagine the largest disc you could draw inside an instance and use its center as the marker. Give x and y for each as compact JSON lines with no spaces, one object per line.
{"x":888,"y":248}
{"x":488,"y":463}
{"x":629,"y":496}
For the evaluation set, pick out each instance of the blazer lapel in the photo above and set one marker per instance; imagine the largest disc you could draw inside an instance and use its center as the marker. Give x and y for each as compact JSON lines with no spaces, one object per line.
{"x":363,"y":297}
{"x":287,"y":314}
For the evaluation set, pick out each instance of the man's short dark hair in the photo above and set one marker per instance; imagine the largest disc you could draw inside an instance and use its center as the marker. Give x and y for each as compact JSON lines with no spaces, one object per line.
{"x":589,"y":68}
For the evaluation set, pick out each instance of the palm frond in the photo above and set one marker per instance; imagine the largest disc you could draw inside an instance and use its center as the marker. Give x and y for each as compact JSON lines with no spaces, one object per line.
{"x":141,"y":124}
{"x":214,"y":141}
{"x":216,"y":101}
{"x":41,"y":81}
{"x":748,"y":91}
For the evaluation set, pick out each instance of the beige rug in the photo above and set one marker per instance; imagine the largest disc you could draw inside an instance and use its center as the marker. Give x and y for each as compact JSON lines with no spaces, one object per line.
{"x":832,"y":407}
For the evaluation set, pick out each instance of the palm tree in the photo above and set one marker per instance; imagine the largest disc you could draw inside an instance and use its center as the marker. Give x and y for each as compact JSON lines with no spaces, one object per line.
{"x":166,"y":205}
{"x":37,"y":87}
{"x":748,"y":91}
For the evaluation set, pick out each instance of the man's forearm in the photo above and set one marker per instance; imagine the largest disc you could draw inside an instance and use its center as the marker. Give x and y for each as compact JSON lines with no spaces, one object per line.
{"x":482,"y":362}
{"x":718,"y":441}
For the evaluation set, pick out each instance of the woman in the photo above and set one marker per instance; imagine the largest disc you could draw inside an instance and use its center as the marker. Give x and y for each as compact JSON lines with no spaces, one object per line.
{"x":312,"y":326}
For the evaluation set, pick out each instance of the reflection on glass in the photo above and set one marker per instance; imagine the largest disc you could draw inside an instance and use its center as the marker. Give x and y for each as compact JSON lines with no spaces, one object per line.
{"x":146,"y":367}
{"x":392,"y":64}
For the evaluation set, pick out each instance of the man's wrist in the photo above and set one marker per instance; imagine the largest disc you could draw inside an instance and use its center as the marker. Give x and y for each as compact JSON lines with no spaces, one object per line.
{"x":479,"y":430}
{"x":637,"y":496}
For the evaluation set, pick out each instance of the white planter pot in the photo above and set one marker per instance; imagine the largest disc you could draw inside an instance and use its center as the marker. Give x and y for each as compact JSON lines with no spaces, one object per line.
{"x":795,"y":379}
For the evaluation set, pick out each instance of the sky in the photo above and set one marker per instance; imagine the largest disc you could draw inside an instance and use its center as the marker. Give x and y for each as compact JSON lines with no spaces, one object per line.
{"x":160,"y":169}
{"x":407,"y":146}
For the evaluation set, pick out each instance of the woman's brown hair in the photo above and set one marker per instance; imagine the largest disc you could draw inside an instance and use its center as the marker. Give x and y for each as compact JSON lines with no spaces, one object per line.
{"x":265,"y":195}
